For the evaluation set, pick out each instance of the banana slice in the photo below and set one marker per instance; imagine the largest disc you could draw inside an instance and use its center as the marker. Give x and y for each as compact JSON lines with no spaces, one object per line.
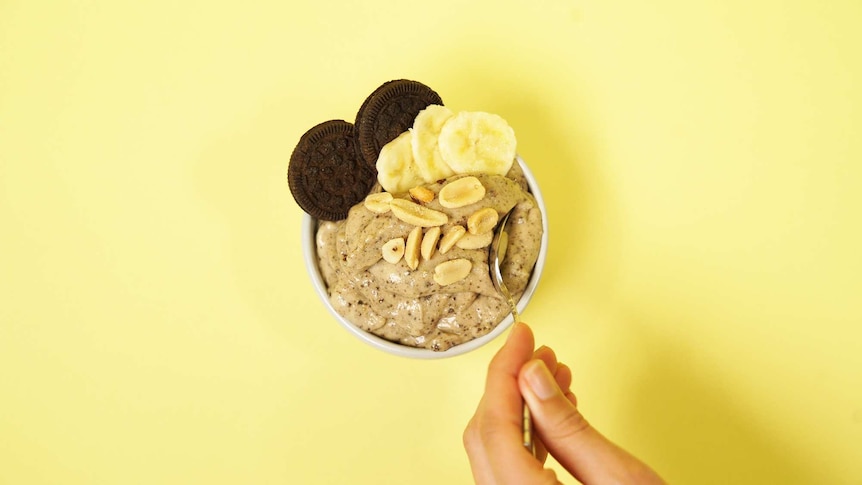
{"x":396,"y":170}
{"x":426,"y":153}
{"x":475,"y":141}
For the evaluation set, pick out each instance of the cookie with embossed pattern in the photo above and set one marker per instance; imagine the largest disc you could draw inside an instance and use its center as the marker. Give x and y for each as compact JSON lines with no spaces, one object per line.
{"x":388,"y":112}
{"x":325,"y":175}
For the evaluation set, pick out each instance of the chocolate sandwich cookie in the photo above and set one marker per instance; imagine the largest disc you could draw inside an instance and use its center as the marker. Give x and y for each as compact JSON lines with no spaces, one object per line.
{"x":325,"y":176}
{"x":388,"y":112}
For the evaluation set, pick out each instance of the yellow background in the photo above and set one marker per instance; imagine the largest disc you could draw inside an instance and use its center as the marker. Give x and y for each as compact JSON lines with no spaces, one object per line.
{"x":701,"y":162}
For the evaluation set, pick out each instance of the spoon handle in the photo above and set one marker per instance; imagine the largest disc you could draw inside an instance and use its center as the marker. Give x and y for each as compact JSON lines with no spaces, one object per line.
{"x":527,"y":427}
{"x":527,"y":422}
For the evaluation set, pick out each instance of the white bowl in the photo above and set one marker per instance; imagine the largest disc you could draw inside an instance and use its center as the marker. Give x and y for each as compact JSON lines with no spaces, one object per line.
{"x":309,"y":248}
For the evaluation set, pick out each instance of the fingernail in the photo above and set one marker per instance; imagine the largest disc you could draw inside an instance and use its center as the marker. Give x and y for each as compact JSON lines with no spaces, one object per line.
{"x":540,"y":380}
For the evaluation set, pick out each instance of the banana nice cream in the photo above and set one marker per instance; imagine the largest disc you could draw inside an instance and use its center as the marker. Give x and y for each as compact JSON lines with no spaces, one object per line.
{"x":410,"y":262}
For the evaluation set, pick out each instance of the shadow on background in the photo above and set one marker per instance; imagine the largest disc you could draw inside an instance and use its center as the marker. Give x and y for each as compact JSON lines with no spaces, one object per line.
{"x":564,"y":180}
{"x":683,"y":418}
{"x":558,"y":139}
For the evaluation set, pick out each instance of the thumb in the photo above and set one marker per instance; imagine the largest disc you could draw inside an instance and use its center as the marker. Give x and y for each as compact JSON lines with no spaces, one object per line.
{"x":555,"y":415}
{"x":569,"y":438}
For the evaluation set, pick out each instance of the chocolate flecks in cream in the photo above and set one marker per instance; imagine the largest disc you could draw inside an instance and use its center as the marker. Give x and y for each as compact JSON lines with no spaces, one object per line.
{"x":408,"y":306}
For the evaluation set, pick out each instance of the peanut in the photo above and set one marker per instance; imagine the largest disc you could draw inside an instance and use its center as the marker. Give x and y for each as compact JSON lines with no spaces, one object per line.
{"x":461,"y":192}
{"x":411,"y":249}
{"x":422,"y":194}
{"x":379,"y":202}
{"x":452,"y":271}
{"x":475,"y":241}
{"x":429,"y":242}
{"x":450,"y":238}
{"x":417,"y":215}
{"x":482,"y":221}
{"x":393,"y":250}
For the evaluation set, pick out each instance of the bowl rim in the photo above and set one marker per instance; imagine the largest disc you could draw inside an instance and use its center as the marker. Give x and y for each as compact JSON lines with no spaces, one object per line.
{"x":309,"y":251}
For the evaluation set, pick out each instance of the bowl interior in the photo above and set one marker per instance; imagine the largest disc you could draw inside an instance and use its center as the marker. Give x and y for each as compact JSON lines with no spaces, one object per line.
{"x":309,"y":248}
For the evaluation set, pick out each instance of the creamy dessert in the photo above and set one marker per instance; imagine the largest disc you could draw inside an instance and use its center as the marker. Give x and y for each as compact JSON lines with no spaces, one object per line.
{"x":410,"y":263}
{"x":408,"y":305}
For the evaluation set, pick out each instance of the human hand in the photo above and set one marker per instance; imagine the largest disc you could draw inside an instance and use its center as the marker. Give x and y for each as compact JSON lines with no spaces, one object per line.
{"x":493,"y":436}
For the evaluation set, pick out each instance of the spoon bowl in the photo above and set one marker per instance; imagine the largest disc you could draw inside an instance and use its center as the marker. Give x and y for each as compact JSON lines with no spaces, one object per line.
{"x":495,"y":262}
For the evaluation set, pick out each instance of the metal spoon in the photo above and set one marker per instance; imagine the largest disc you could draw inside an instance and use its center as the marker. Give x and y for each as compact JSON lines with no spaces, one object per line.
{"x":495,"y":261}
